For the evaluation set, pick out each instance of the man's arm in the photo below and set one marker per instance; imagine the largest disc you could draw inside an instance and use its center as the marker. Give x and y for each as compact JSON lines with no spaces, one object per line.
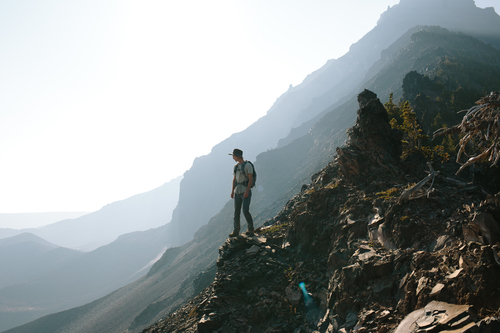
{"x":234,"y":185}
{"x":249,"y":186}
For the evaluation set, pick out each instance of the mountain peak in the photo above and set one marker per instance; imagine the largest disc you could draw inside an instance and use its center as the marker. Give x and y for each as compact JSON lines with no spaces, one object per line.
{"x":456,"y":15}
{"x":26,"y":237}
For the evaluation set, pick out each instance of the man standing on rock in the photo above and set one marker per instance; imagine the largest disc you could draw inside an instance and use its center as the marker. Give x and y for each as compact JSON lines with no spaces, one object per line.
{"x":241,"y":192}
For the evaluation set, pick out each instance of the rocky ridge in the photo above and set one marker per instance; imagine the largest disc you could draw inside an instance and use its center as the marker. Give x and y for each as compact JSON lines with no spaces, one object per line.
{"x":347,"y":254}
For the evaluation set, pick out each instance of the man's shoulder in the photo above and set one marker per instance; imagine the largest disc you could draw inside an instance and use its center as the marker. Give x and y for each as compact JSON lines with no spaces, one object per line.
{"x":248,"y":166}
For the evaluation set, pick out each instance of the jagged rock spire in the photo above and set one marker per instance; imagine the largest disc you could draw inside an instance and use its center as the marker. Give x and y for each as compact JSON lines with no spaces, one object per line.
{"x":373,"y":148}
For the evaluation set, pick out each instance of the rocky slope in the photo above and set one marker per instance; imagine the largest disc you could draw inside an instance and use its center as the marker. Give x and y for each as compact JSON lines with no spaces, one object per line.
{"x":347,"y":254}
{"x":327,"y":88}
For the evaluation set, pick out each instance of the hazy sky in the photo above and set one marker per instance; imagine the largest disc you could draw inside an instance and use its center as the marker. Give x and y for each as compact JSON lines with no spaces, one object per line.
{"x":101,"y":100}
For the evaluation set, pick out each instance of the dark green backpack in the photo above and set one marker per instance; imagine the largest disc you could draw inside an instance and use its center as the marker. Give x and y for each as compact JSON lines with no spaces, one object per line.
{"x":243,"y":168}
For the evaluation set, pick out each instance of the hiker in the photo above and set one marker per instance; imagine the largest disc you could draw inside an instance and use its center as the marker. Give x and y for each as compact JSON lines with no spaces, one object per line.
{"x":241,"y":192}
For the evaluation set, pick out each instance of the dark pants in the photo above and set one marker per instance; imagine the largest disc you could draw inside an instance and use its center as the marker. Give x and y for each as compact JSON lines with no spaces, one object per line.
{"x":245,"y":202}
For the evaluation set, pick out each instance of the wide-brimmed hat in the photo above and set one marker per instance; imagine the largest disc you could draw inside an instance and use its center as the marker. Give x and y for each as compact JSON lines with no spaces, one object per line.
{"x":237,"y":152}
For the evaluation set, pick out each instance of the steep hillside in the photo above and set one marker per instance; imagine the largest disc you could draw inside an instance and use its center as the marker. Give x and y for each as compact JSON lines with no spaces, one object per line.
{"x":337,"y":82}
{"x":455,"y":68}
{"x":350,"y":254}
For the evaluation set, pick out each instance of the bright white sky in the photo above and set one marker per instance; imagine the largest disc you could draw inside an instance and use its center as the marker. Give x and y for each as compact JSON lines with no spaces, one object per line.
{"x":102,"y":100}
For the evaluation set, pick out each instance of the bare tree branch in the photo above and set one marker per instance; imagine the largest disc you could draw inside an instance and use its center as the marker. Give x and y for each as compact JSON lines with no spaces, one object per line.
{"x":410,"y":193}
{"x":480,"y":124}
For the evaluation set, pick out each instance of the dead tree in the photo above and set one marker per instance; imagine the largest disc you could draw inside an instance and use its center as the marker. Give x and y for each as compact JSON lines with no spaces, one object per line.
{"x":411,"y":193}
{"x":480,"y":124}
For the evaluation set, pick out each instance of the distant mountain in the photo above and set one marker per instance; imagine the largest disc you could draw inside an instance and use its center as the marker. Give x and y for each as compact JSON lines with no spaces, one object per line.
{"x":38,"y":278}
{"x":7,"y":232}
{"x":59,"y":279}
{"x":25,"y":256}
{"x":34,"y":220}
{"x":137,"y":213}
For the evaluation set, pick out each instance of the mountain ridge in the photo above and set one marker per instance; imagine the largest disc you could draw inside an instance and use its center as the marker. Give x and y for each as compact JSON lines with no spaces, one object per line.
{"x":71,"y":282}
{"x":142,"y":211}
{"x":34,"y":220}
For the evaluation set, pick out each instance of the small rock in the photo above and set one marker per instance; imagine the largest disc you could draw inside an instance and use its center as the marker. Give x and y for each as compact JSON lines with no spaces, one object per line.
{"x":293,"y":296}
{"x":433,"y":315}
{"x":437,"y":288}
{"x":253,"y":250}
{"x":351,"y":320}
{"x":441,"y":243}
{"x":206,"y":324}
{"x":454,"y":274}
{"x":422,"y":283}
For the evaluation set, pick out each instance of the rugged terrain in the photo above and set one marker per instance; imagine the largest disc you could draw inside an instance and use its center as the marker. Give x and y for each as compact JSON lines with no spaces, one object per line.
{"x":436,"y":69}
{"x":350,"y":254}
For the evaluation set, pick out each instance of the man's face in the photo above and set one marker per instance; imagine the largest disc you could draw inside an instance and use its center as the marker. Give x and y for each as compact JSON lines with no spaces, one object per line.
{"x":235,"y":158}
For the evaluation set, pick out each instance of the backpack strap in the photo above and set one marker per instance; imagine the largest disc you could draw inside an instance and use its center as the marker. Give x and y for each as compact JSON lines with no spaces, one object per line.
{"x":245,"y":183}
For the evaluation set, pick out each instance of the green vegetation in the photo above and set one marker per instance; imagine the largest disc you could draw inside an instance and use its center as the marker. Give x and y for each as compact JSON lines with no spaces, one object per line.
{"x":193,"y":312}
{"x":415,"y":142}
{"x":275,"y":228}
{"x":289,"y":273}
{"x":390,"y":193}
{"x":332,"y":185}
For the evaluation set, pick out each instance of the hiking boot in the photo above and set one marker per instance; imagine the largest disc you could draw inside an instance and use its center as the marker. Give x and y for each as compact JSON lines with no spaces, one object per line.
{"x":234,"y":234}
{"x":250,"y":232}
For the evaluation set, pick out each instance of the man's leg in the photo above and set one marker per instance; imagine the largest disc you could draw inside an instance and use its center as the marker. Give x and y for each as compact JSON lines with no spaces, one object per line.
{"x":238,"y":199}
{"x":246,"y":212}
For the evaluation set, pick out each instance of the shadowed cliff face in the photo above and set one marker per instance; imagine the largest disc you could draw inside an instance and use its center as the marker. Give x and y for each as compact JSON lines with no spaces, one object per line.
{"x":345,"y":255}
{"x":373,"y":147}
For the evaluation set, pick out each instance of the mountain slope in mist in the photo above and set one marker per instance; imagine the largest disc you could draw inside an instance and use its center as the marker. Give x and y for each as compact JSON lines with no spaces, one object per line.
{"x":34,"y":220}
{"x":58,"y":281}
{"x":143,"y":211}
{"x":25,"y":256}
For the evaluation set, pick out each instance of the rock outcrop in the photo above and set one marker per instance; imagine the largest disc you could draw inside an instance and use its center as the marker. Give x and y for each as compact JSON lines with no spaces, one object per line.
{"x":372,"y":147}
